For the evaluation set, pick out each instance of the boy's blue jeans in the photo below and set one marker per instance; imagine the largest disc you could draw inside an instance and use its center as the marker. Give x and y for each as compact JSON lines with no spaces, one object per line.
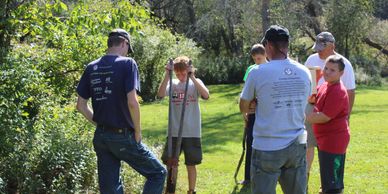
{"x":288,"y":166}
{"x":112,"y":148}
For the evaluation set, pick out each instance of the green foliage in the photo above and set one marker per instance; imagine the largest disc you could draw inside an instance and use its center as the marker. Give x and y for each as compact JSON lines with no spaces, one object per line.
{"x":367,"y":71}
{"x":71,"y":38}
{"x":52,"y":43}
{"x":350,"y":30}
{"x":62,"y":160}
{"x":217,"y":70}
{"x":381,"y":9}
{"x":153,"y":50}
{"x":22,"y":92}
{"x":51,"y":153}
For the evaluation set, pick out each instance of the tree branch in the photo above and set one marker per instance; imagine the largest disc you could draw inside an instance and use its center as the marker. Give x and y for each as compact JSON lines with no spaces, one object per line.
{"x":63,"y":73}
{"x":312,"y":36}
{"x":376,"y":45}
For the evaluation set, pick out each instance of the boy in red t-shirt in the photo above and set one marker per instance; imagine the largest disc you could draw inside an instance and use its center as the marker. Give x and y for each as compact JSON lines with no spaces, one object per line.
{"x":330,"y":124}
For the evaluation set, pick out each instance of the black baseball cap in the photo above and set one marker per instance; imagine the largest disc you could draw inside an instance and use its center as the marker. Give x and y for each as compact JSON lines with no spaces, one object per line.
{"x":276,"y":33}
{"x":123,"y":34}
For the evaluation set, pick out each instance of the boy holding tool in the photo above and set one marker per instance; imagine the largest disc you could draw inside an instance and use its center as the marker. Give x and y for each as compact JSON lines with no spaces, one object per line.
{"x":191,"y":133}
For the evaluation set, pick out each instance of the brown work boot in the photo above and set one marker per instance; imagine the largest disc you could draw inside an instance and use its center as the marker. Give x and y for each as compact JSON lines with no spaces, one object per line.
{"x":191,"y":192}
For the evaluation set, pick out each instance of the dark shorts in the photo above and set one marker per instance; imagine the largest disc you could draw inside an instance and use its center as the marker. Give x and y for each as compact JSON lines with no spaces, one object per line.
{"x":191,"y":147}
{"x":332,"y":171}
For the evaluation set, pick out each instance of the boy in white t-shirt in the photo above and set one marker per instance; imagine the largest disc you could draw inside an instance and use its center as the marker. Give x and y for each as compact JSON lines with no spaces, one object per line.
{"x":191,"y":134}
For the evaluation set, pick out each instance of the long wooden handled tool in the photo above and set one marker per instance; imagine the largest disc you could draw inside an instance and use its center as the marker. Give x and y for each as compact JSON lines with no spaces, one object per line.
{"x":174,"y":160}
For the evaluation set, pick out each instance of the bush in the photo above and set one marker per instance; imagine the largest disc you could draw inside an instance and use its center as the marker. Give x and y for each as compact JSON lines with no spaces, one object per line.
{"x":62,"y":159}
{"x":363,"y":78}
{"x":222,"y":70}
{"x":51,"y":154}
{"x":54,"y":153}
{"x":367,"y":70}
{"x":22,"y":92}
{"x":152,"y":51}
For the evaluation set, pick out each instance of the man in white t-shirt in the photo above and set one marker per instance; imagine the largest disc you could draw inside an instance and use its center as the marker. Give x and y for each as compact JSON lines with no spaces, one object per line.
{"x":325,"y":45}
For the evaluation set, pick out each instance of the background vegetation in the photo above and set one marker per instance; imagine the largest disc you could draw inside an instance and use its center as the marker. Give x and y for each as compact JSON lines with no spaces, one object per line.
{"x":45,"y":45}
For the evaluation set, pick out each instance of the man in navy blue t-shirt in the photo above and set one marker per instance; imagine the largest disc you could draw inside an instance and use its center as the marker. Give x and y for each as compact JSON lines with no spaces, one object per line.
{"x":111,"y":81}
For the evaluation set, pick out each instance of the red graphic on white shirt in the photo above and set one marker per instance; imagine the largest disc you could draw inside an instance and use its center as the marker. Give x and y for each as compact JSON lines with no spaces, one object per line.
{"x":177,"y":98}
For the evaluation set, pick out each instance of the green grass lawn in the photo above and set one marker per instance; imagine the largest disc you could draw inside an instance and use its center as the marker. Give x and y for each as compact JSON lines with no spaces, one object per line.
{"x":366,"y":169}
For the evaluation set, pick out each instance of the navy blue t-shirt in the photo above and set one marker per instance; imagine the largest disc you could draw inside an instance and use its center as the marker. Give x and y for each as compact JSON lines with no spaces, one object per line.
{"x":107,"y":81}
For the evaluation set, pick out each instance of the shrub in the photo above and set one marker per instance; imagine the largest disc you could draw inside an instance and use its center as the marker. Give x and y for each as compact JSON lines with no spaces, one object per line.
{"x":152,"y":51}
{"x":51,"y":153}
{"x":62,"y":159}
{"x":22,"y":92}
{"x":222,"y":70}
{"x":367,"y":70}
{"x":363,"y":78}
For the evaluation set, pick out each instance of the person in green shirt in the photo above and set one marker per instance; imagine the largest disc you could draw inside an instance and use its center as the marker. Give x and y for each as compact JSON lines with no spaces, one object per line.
{"x":259,"y":57}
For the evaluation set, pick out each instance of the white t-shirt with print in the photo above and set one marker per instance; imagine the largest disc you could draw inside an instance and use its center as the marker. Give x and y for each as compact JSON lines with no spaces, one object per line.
{"x":281,"y":88}
{"x":192,"y":118}
{"x":347,"y":78}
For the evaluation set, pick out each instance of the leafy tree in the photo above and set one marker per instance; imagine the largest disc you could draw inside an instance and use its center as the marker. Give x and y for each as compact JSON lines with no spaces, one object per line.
{"x":381,"y":9}
{"x":214,"y":24}
{"x":349,"y":21}
{"x":8,"y":24}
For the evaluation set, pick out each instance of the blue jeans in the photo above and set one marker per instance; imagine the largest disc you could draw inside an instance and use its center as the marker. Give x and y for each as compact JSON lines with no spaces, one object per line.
{"x":288,"y":166}
{"x":112,"y":148}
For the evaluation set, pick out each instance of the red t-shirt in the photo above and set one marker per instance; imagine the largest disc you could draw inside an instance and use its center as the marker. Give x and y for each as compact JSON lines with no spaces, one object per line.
{"x":333,"y":136}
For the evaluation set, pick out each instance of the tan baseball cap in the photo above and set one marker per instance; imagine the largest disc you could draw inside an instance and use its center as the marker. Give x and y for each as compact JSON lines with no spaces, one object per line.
{"x":322,"y":39}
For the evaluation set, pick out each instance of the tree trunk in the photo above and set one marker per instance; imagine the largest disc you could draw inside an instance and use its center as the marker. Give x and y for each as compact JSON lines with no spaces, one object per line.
{"x":5,"y":39}
{"x":225,"y":37}
{"x":347,"y":46}
{"x":191,"y":12}
{"x":314,"y":10}
{"x":265,"y":15}
{"x":192,"y":18}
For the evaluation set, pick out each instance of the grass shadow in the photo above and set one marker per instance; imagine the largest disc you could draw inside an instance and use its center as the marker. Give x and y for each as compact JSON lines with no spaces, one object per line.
{"x":217,"y":131}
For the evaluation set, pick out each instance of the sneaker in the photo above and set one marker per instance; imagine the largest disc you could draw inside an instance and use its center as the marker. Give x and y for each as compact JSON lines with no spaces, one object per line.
{"x":191,"y":192}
